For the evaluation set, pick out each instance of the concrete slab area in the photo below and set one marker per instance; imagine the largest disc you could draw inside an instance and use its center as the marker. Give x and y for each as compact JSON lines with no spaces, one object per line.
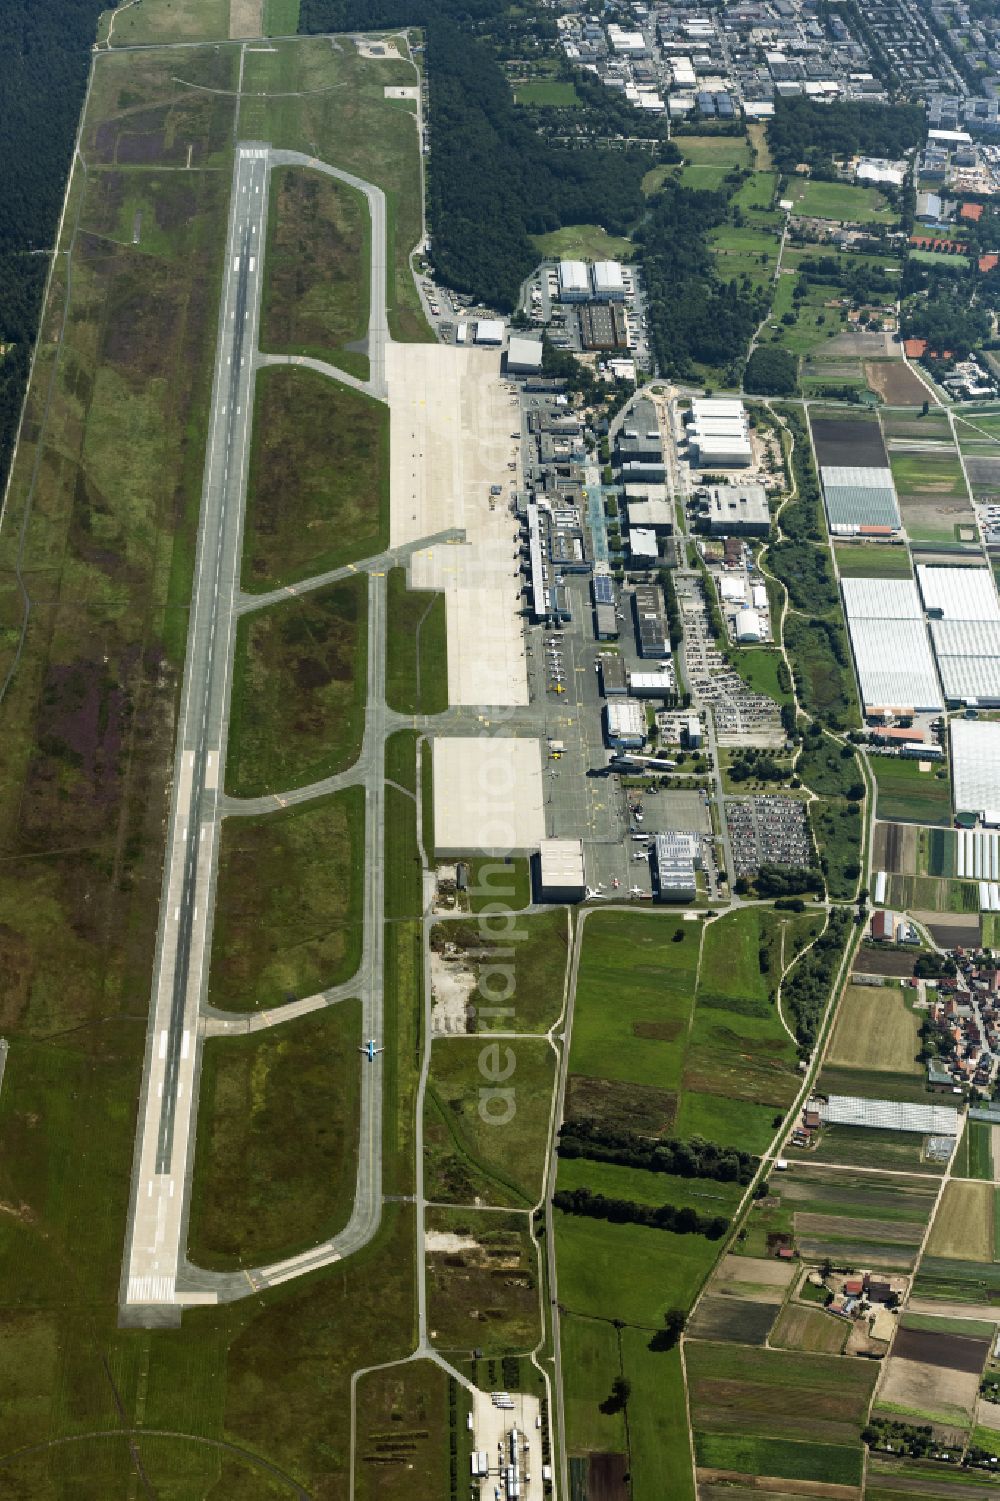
{"x":487,"y":794}
{"x":451,"y":423}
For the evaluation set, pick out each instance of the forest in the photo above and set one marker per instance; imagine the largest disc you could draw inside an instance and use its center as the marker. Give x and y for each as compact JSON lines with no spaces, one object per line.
{"x":693,"y":316}
{"x":696,"y":1158}
{"x":683,"y":1221}
{"x":802,"y":131}
{"x":43,"y":78}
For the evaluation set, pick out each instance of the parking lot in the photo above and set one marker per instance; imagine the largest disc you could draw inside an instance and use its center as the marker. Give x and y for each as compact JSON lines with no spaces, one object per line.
{"x":768,"y":830}
{"x":741,"y":716}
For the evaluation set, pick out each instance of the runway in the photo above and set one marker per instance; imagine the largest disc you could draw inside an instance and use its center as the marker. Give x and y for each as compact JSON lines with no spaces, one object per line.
{"x":157,"y":1278}
{"x":167,"y":1107}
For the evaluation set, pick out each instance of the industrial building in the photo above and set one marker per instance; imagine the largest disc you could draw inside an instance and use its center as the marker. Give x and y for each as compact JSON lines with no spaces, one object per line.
{"x":609,"y":284}
{"x":677,"y":857}
{"x":738,"y":510}
{"x":857,"y":498}
{"x":613,"y":681}
{"x":605,"y":612}
{"x":603,"y":325}
{"x":655,"y":515}
{"x":658,"y":684}
{"x":889,"y":640}
{"x":650,"y":622}
{"x":625,"y":723}
{"x":964,"y":614}
{"x":489,"y":331}
{"x":975,"y":768}
{"x":559,"y":872}
{"x":524,"y":356}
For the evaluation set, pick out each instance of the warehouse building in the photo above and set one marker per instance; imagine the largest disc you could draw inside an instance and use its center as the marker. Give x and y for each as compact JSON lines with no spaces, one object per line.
{"x":559,"y":872}
{"x":650,"y":622}
{"x":658,"y":684}
{"x":738,"y":510}
{"x":749,"y":627}
{"x":888,"y":1115}
{"x":975,"y":768}
{"x":857,"y":497}
{"x":708,"y":451}
{"x":625,"y":723}
{"x":524,"y":356}
{"x":574,"y":283}
{"x":609,"y":283}
{"x":892,"y":654}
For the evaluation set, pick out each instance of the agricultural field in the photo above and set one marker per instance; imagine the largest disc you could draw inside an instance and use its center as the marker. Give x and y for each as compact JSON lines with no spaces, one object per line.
{"x":932,"y":1375}
{"x":895,"y":383}
{"x":860,"y":560}
{"x":927,"y":472}
{"x":974,"y":1157}
{"x":876,"y":1030}
{"x":809,"y":1329}
{"x":277,"y":1140}
{"x":840,"y":201}
{"x":930,"y":894}
{"x":327,"y":445}
{"x":777,"y":1413}
{"x":847,"y":439}
{"x":318,"y":264}
{"x":299,"y":690}
{"x":298,"y":932}
{"x":908,"y":794}
{"x":963,"y":1226}
{"x":869,"y":1219}
{"x":856,"y":1146}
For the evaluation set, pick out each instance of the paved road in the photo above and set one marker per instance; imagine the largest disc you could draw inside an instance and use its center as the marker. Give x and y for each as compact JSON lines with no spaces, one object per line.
{"x":156,"y":1276}
{"x":166,"y":1108}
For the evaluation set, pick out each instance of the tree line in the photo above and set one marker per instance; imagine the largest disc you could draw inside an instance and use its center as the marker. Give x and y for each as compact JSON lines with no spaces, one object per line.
{"x":695,"y":1158}
{"x":682,"y":1221}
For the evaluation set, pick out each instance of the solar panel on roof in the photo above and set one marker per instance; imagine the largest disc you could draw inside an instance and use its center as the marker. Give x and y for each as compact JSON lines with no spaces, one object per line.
{"x":604,"y":590}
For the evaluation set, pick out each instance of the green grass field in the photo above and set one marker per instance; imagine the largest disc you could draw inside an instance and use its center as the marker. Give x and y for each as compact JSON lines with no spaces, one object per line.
{"x":715,"y":151}
{"x":659,"y":1456}
{"x":520,"y":976}
{"x":945,"y":260}
{"x":492,"y":1100}
{"x":317,"y":271}
{"x":467,"y":1304}
{"x":299,"y":688}
{"x":416,"y":670}
{"x":907,"y":794}
{"x":856,"y":560}
{"x":401,"y":1409}
{"x":840,"y":201}
{"x":299,"y":931}
{"x":759,"y":669}
{"x":590,"y":1363}
{"x":665,"y":1270}
{"x":588,"y":242}
{"x":308,"y":82}
{"x":329,"y":447}
{"x":172,"y":21}
{"x":277,"y":1139}
{"x":547,"y":93}
{"x":834,"y":1464}
{"x":616,"y":1182}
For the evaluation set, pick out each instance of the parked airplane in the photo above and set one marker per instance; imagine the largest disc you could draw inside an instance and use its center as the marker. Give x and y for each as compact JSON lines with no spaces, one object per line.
{"x":369,"y":1049}
{"x":596,"y":896}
